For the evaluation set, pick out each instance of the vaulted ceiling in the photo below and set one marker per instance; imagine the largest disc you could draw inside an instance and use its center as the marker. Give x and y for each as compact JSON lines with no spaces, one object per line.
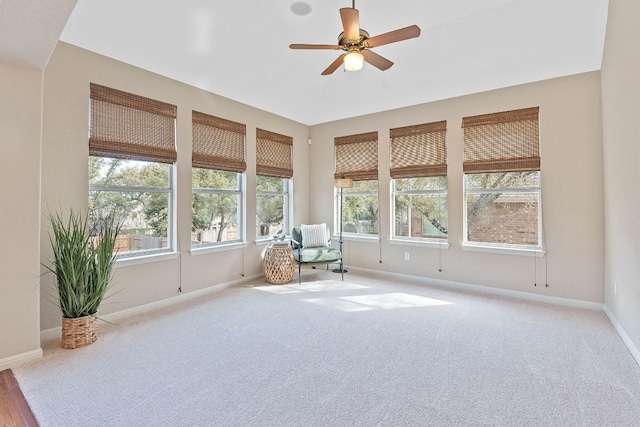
{"x":239,"y":49}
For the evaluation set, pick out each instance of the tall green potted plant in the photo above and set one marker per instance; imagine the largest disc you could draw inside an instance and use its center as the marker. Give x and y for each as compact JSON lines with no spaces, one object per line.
{"x":83,"y":260}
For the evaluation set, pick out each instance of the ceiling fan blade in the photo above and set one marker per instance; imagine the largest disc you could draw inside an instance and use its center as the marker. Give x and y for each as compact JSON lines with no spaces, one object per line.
{"x":350,"y":22}
{"x":314,"y":46}
{"x":334,"y":65}
{"x":393,"y":36}
{"x":376,"y":60}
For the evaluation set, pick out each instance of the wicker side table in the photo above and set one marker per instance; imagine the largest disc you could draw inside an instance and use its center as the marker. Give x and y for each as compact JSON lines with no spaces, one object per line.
{"x":278,"y":264}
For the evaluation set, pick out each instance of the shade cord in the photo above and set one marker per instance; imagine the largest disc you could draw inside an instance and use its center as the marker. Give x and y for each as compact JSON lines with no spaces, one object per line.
{"x":440,"y":235}
{"x":179,"y":249}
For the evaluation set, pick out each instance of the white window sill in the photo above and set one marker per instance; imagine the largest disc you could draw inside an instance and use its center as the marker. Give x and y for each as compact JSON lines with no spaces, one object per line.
{"x":145,"y":259}
{"x":504,"y":250}
{"x":216,"y":248}
{"x":355,"y":238}
{"x":420,"y":243}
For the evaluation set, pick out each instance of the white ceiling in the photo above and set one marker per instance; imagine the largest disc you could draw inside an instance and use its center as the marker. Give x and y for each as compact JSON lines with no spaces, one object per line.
{"x":239,"y":49}
{"x":29,"y":30}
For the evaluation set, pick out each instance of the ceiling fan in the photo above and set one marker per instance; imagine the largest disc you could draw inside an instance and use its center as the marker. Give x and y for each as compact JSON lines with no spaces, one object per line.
{"x":357,"y":44}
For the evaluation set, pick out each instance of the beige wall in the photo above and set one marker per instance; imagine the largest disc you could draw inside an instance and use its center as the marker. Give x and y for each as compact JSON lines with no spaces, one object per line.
{"x":20,"y":118}
{"x":64,"y":172}
{"x":571,"y":153}
{"x":621,"y":116}
{"x":572,"y":191}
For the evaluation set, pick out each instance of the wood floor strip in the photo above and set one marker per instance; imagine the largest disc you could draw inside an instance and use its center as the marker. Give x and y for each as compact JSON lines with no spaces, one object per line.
{"x":14,"y":409}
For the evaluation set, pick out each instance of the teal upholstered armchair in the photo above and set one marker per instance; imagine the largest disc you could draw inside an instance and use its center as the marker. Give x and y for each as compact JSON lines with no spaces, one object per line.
{"x":315,"y":250}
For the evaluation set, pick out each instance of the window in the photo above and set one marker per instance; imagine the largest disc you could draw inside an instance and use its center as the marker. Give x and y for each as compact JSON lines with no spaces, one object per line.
{"x":357,"y":159}
{"x":360,"y":208}
{"x":272,"y":205}
{"x":419,"y":181}
{"x":131,"y":156}
{"x":503,"y":208}
{"x":420,"y":207}
{"x":216,"y":207}
{"x":218,"y":161}
{"x":502,"y":179}
{"x":274,"y":169}
{"x":140,"y":193}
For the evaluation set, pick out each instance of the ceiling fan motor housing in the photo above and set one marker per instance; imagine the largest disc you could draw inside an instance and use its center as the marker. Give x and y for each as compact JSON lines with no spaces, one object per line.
{"x":350,"y":45}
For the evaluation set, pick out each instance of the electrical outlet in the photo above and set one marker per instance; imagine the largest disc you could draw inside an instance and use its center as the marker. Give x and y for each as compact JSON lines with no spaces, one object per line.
{"x":407,"y":256}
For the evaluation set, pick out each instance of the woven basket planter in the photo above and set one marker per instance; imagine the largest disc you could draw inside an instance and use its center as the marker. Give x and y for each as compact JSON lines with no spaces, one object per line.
{"x":279,"y":264}
{"x":79,"y":331}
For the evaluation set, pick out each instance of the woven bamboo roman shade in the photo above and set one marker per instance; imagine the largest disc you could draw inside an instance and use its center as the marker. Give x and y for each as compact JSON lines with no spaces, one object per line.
{"x":218,"y":143}
{"x":502,"y":142}
{"x":128,"y":126}
{"x":273,"y":154}
{"x":419,"y":150}
{"x":357,"y":156}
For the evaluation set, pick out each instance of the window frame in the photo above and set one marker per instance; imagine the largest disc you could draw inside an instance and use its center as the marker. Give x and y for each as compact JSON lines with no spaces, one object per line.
{"x":428,"y":192}
{"x":286,"y":208}
{"x":240,"y":192}
{"x":348,"y":192}
{"x":171,"y":211}
{"x":508,"y":247}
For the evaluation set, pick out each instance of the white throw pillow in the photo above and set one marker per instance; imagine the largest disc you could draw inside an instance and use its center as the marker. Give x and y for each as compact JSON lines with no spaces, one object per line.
{"x":315,"y":235}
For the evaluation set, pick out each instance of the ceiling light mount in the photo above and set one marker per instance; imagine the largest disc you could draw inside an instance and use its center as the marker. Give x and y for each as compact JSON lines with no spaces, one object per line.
{"x":300,"y":8}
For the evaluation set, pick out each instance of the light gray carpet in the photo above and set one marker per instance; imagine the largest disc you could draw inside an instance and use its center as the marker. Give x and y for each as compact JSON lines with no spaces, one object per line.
{"x":362,"y":352}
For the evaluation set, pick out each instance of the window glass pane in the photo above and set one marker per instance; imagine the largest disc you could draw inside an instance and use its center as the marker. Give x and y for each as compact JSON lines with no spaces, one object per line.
{"x":269,"y":215}
{"x":360,"y":186}
{"x":214,"y":218}
{"x":421,"y":183}
{"x":130,"y":173}
{"x":144,"y":217}
{"x":270,"y":184}
{"x":506,"y":218}
{"x":420,"y":207}
{"x":423,"y":216}
{"x":502,"y":180}
{"x":219,"y":180}
{"x":215,"y":206}
{"x":360,"y":211}
{"x":139,"y":194}
{"x":271,"y":205}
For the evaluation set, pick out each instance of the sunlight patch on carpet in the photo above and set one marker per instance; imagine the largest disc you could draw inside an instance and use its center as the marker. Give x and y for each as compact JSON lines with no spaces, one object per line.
{"x":319,"y":286}
{"x":377,"y":302}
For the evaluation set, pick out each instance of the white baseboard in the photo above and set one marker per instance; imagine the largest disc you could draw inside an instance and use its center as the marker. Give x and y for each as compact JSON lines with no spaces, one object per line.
{"x":54,"y":333}
{"x":20,"y":359}
{"x":487,"y":290}
{"x":623,"y":334}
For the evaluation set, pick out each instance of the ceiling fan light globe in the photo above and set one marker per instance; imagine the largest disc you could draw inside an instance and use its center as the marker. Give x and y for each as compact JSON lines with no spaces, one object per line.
{"x":353,"y":61}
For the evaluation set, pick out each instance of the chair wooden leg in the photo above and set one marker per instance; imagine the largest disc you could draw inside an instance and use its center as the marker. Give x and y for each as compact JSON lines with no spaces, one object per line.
{"x":299,"y":273}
